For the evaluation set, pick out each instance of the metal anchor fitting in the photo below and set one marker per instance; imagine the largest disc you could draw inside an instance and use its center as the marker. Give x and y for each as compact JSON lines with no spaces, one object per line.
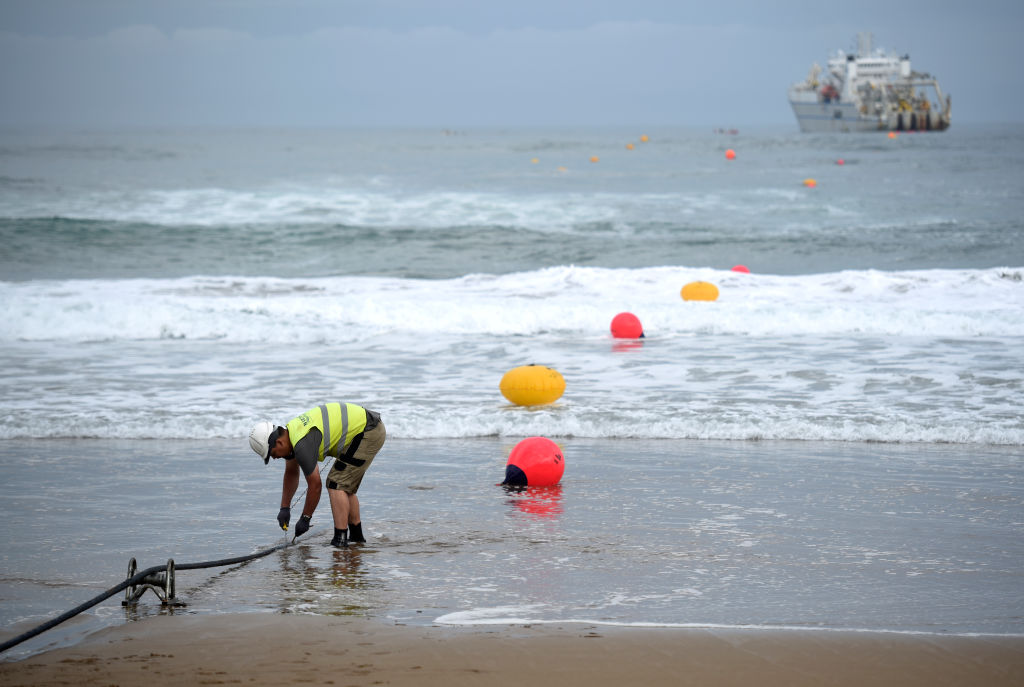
{"x":161,"y":582}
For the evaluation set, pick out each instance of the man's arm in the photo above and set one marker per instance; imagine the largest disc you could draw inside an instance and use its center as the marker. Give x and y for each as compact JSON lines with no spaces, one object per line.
{"x":313,"y":488}
{"x":290,"y":483}
{"x":306,"y":452}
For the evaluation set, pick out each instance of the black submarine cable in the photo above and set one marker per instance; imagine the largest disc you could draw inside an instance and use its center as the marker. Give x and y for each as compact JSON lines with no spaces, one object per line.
{"x":130,"y":582}
{"x":140,"y":577}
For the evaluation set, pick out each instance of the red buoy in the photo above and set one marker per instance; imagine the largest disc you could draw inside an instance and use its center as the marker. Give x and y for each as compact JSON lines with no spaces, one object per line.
{"x":626,"y":325}
{"x":741,"y":268}
{"x":535,"y":461}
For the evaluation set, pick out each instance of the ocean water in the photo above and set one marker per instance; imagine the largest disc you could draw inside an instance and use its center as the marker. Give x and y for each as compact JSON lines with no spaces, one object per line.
{"x":163,"y":289}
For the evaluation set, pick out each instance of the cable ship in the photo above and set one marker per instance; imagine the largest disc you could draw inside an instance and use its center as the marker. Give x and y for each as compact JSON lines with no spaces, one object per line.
{"x":869,"y":91}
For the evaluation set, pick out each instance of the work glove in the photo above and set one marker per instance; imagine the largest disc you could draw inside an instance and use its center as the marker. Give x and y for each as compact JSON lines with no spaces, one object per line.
{"x":283,"y":516}
{"x":302,"y":526}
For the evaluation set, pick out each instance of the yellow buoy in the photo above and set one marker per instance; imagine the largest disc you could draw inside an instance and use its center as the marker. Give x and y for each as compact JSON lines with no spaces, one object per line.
{"x":532,"y":385}
{"x":810,"y":183}
{"x":535,"y":160}
{"x":699,"y":291}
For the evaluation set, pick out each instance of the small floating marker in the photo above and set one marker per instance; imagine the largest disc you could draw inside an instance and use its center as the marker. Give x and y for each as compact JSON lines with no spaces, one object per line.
{"x":741,"y":268}
{"x":644,"y":138}
{"x":810,"y":183}
{"x":626,"y":325}
{"x":630,"y":146}
{"x":699,"y":291}
{"x":561,"y":169}
{"x":892,"y":134}
{"x":595,"y":158}
{"x":535,"y":462}
{"x":532,"y":385}
{"x":840,"y":161}
{"x":534,"y":161}
{"x":730,"y":154}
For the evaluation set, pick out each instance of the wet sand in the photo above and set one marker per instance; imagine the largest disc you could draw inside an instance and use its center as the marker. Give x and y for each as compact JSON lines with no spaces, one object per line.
{"x":276,"y":649}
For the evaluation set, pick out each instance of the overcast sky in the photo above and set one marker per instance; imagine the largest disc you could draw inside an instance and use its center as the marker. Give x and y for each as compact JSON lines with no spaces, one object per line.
{"x":458,"y":63}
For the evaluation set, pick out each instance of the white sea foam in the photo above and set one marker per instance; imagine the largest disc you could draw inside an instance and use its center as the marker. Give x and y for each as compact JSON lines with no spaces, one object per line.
{"x":521,"y":615}
{"x":928,"y":356}
{"x":573,"y":301}
{"x":225,"y":207}
{"x":777,"y":212}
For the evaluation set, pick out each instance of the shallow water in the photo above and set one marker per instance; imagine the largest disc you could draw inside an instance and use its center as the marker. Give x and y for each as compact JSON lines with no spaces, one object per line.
{"x":797,"y":534}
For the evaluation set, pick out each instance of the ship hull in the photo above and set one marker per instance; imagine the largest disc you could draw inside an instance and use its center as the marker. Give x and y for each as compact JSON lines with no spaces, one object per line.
{"x":815,"y":117}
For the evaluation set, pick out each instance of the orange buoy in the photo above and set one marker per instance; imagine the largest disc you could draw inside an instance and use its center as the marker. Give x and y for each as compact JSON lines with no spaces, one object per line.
{"x":630,"y":146}
{"x":699,"y":291}
{"x":626,"y":325}
{"x":810,"y":183}
{"x":730,"y":154}
{"x":892,"y":134}
{"x":535,"y":462}
{"x":594,"y":158}
{"x":532,"y":385}
{"x":644,"y":138}
{"x":740,"y":268}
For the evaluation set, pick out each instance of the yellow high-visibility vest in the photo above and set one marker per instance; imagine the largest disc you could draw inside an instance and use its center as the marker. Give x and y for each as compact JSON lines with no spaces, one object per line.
{"x":339,"y":423}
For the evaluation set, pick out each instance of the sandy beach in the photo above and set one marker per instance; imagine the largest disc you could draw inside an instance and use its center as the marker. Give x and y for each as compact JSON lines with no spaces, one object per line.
{"x":275,"y":649}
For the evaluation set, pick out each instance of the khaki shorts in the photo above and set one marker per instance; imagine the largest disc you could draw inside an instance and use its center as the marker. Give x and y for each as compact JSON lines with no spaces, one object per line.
{"x":347,"y":472}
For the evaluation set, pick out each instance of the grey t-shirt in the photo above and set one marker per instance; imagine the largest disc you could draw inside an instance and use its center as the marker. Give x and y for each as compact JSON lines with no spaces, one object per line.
{"x":307,"y":449}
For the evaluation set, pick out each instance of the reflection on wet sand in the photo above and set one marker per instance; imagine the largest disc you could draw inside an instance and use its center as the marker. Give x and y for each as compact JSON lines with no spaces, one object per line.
{"x":544,"y":502}
{"x":331,"y":584}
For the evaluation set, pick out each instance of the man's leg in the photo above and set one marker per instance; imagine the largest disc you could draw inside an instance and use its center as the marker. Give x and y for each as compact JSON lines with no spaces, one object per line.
{"x":355,"y":524}
{"x":343,"y":482}
{"x":353,"y":510}
{"x":340,"y":508}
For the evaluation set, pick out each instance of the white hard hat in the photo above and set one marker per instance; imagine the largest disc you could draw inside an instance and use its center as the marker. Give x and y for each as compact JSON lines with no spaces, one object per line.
{"x":259,"y":439}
